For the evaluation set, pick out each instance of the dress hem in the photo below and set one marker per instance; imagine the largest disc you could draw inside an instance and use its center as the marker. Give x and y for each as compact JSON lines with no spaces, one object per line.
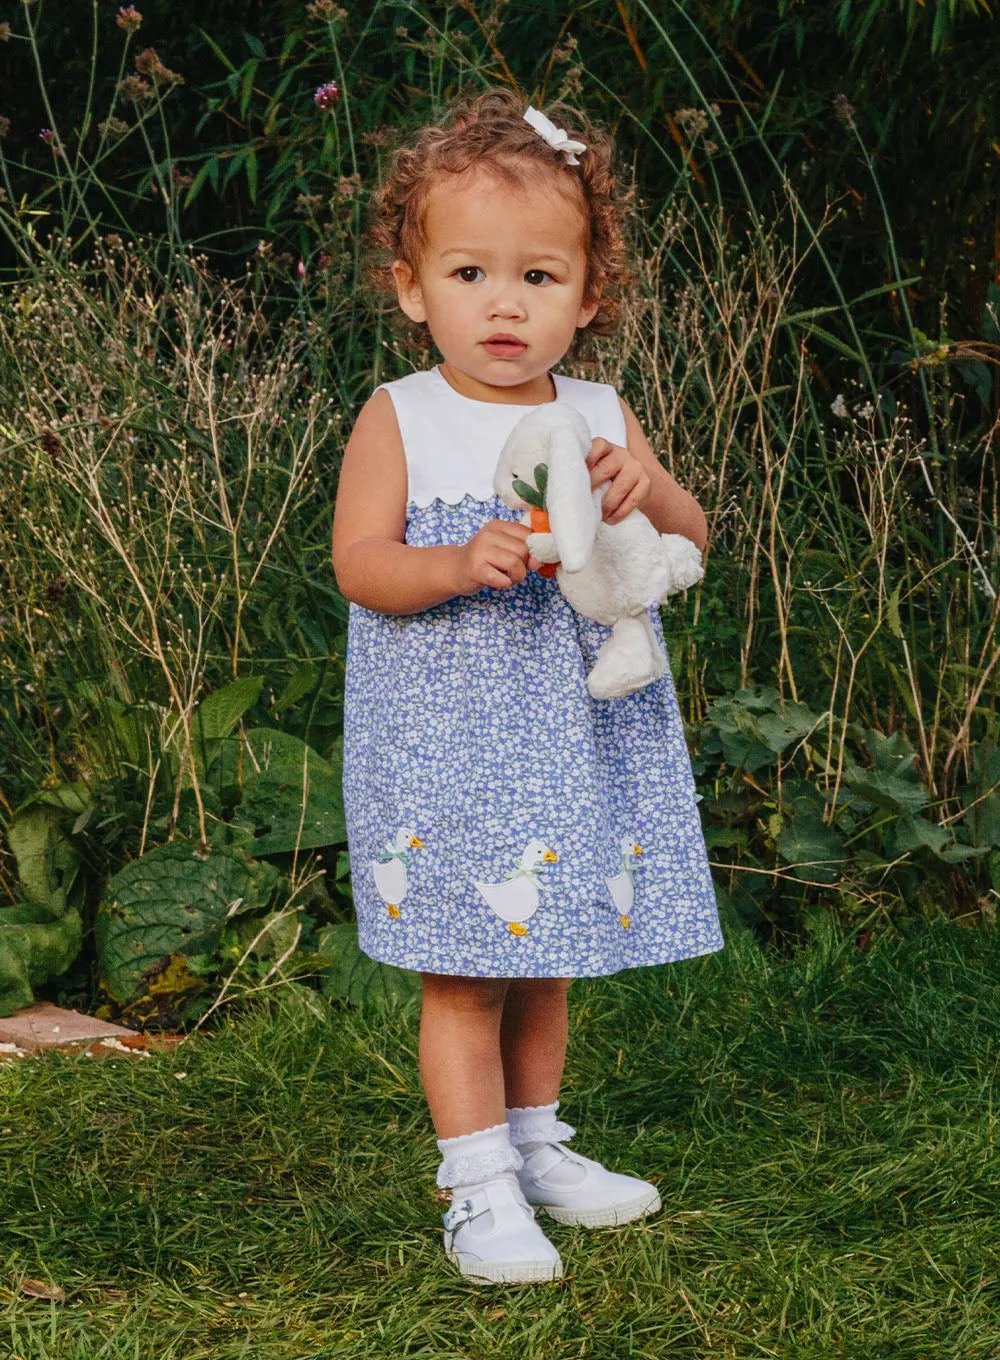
{"x":412,"y":966}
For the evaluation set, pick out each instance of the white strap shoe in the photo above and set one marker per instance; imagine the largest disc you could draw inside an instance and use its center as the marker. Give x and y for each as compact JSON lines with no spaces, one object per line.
{"x":575,"y":1189}
{"x":492,"y":1236}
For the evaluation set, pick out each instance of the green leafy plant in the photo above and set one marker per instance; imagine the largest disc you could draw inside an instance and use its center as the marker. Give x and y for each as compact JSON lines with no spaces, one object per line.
{"x":871,"y":846}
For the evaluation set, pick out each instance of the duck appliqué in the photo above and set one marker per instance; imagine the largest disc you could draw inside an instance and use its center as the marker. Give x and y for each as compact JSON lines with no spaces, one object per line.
{"x":390,"y":873}
{"x":516,"y":899}
{"x":622,"y":885}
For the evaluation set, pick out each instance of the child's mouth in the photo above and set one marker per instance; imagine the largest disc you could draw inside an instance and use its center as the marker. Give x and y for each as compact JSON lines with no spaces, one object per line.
{"x":504,"y":346}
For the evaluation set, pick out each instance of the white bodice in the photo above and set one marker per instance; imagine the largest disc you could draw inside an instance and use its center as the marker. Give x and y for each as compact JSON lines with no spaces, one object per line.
{"x":452,"y":442}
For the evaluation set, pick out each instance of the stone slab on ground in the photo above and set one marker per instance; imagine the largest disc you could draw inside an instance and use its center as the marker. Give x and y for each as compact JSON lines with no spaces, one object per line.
{"x":45,"y":1025}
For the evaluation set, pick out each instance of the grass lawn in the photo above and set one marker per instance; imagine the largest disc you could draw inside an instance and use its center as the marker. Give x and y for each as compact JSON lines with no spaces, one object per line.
{"x":822,"y":1129}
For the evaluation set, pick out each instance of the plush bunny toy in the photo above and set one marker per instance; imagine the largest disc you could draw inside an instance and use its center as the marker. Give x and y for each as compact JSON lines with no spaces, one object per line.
{"x":612,"y":573}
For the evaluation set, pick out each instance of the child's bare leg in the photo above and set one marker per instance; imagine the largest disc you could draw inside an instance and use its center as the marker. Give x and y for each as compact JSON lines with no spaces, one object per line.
{"x":459,"y":1052}
{"x":533,"y":1035}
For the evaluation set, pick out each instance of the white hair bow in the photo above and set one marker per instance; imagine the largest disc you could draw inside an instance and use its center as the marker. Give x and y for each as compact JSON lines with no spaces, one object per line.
{"x":555,"y":136}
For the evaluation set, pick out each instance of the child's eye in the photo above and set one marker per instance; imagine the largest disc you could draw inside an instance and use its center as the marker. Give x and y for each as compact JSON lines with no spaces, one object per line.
{"x":537,"y":275}
{"x":468,"y":273}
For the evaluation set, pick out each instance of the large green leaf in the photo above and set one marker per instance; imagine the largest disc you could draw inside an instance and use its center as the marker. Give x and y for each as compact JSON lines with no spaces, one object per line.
{"x":213,"y":720}
{"x":275,"y":933}
{"x":737,"y":734}
{"x":33,"y":949}
{"x":355,"y":977}
{"x":910,"y":833}
{"x":778,"y":730}
{"x":753,"y":726}
{"x":219,"y":712}
{"x":301,"y":682}
{"x":173,"y":901}
{"x":41,"y":936}
{"x":892,"y":783}
{"x":263,"y":747}
{"x":75,"y":797}
{"x":291,"y":795}
{"x":47,"y":863}
{"x":806,"y":838}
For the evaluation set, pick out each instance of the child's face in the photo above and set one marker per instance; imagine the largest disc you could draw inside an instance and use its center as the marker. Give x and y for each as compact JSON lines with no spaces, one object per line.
{"x":500,"y":282}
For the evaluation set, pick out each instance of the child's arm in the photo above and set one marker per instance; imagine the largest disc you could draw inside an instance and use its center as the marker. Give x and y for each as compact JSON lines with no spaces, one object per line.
{"x":640,"y":481}
{"x":373,"y":565}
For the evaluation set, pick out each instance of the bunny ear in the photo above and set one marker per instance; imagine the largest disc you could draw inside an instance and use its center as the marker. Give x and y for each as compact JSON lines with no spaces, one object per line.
{"x":569,"y":501}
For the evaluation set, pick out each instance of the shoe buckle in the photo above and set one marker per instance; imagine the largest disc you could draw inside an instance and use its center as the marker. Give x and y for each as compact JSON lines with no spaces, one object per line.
{"x":452,"y":1220}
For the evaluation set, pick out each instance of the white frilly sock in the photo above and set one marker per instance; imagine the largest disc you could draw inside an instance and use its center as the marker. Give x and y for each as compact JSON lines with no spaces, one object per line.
{"x":533,"y":1125}
{"x":473,"y":1157}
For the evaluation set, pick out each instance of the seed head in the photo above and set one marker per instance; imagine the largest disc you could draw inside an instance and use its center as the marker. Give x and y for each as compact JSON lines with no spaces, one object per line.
{"x":139,"y":91}
{"x":326,"y":10}
{"x":51,"y":445}
{"x":148,"y":63}
{"x":112,"y":127}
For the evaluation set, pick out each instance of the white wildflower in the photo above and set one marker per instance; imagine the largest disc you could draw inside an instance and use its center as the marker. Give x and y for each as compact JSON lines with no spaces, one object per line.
{"x":839,"y":407}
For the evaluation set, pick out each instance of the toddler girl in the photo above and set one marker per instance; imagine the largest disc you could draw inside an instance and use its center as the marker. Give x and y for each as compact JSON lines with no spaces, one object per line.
{"x":507,"y":832}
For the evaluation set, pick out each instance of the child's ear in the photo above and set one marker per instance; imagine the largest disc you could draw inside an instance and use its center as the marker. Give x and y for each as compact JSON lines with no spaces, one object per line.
{"x":411,"y":298}
{"x":588,"y":310}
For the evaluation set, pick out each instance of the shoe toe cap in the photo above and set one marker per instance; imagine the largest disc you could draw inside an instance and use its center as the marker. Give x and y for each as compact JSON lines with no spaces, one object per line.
{"x":618,"y":1188}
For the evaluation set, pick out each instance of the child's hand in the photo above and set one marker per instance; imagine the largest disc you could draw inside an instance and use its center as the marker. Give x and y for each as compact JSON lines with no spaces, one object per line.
{"x":495,"y":556}
{"x":630,"y":483}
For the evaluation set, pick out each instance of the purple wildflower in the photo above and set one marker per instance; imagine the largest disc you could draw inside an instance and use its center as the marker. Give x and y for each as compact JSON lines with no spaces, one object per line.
{"x":128,"y":18}
{"x":844,"y":109}
{"x":327,"y":95}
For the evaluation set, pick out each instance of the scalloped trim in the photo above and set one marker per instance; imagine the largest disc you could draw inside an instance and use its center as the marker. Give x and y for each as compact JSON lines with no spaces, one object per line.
{"x":472,"y":1167}
{"x":537,"y":1124}
{"x":554,"y":1132}
{"x":472,"y":1157}
{"x":452,"y":498}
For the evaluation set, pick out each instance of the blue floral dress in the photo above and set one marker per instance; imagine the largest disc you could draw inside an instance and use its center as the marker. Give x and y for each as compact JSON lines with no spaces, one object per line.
{"x":501,"y":821}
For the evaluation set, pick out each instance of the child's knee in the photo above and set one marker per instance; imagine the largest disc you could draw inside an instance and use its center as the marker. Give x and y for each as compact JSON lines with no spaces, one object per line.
{"x":549,"y":985}
{"x":475,"y":994}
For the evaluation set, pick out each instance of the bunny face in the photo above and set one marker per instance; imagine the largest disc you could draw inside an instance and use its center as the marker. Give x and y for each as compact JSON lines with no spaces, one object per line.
{"x":530,"y":444}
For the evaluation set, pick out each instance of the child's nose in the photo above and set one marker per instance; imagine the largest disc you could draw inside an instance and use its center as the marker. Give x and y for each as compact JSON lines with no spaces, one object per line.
{"x":507,"y":302}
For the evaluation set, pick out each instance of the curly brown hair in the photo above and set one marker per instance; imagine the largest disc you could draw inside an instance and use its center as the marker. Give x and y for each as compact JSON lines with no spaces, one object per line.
{"x":489,"y":130}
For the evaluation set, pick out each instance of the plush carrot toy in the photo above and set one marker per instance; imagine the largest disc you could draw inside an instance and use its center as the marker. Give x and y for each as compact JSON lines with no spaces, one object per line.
{"x":535,"y":496}
{"x":540,"y":525}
